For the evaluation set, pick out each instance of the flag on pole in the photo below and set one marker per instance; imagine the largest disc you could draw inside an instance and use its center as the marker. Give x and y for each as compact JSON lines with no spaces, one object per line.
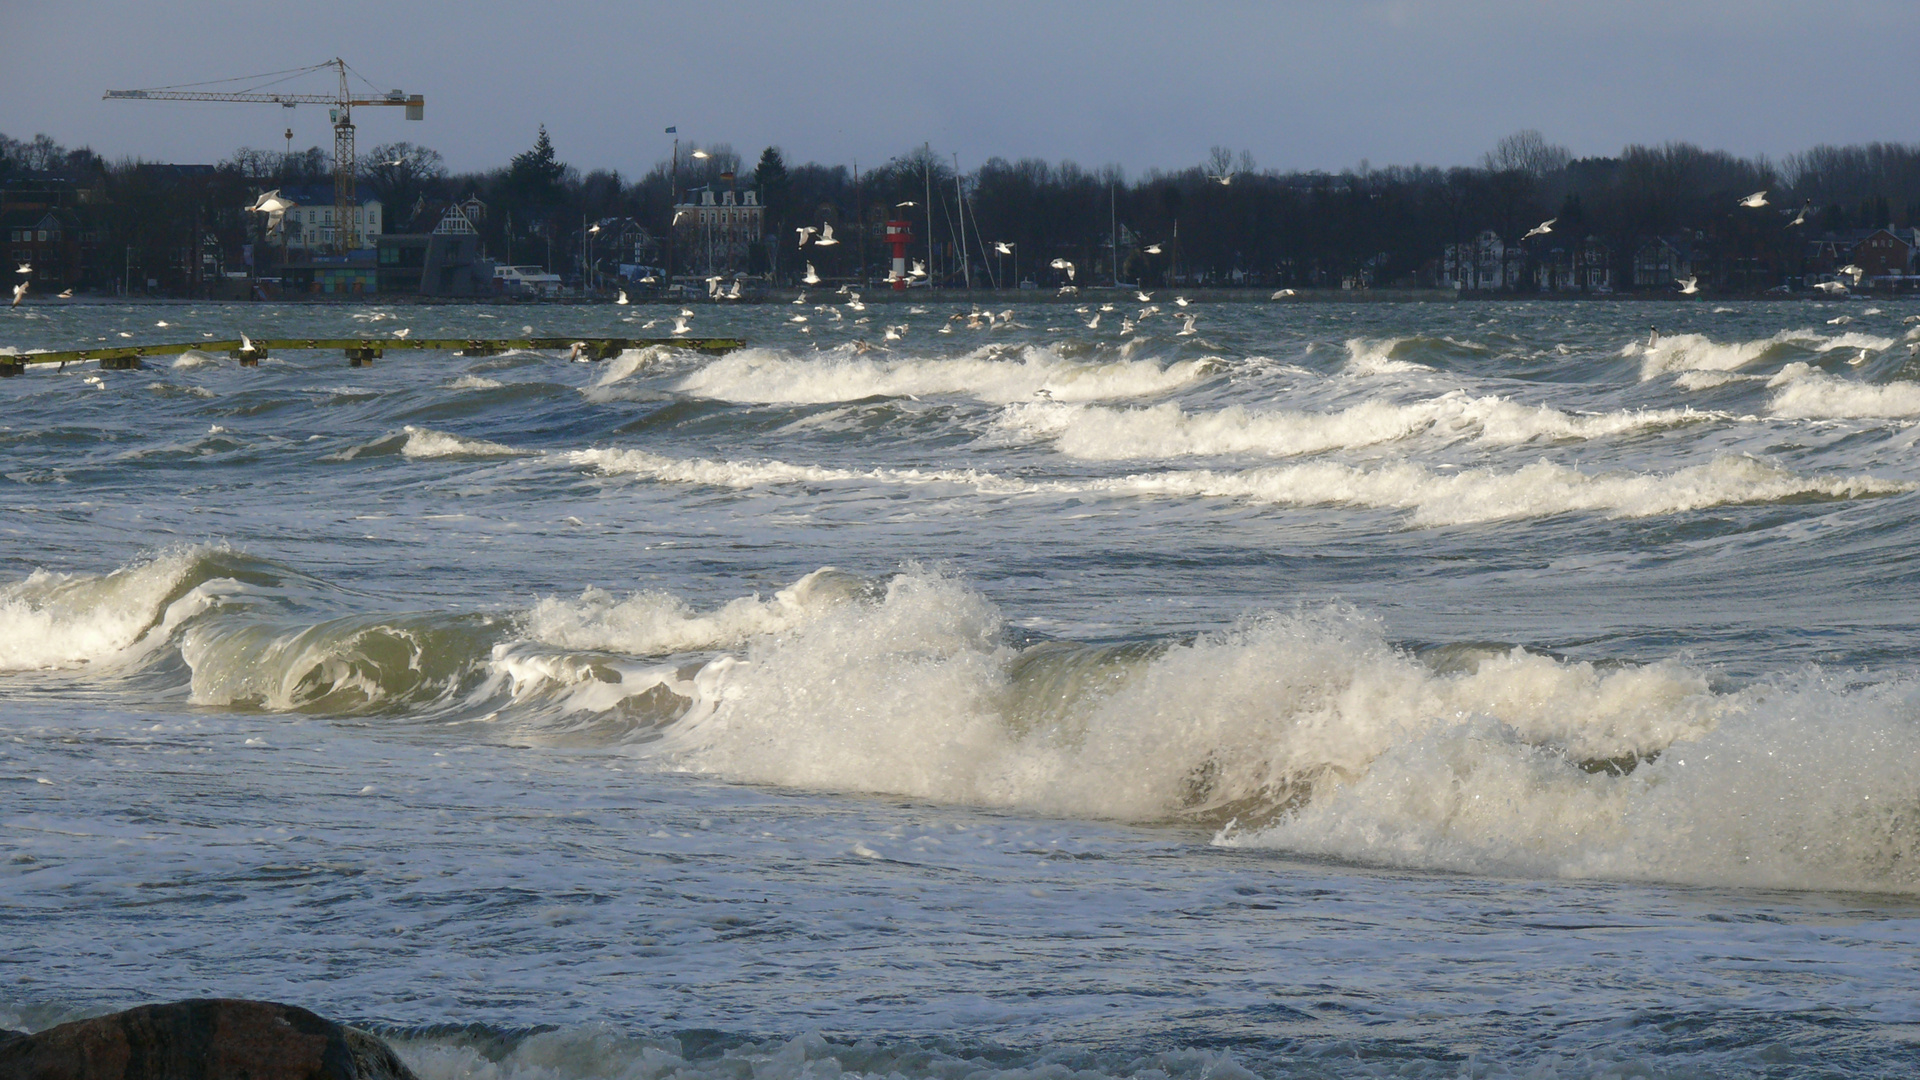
{"x":674,"y":130}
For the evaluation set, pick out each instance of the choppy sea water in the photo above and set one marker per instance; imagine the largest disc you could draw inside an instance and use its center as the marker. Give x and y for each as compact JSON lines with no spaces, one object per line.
{"x":1334,"y":690}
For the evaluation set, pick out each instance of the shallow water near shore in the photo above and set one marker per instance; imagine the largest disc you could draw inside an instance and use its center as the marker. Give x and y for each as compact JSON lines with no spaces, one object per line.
{"x":1374,"y":690}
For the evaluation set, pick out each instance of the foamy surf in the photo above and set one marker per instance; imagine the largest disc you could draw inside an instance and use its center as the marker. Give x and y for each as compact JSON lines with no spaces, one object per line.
{"x":1103,"y":433}
{"x":993,"y":375}
{"x":651,"y":623}
{"x":753,"y":474}
{"x":426,"y":443}
{"x":1807,"y":393}
{"x":1479,"y":495}
{"x":1697,"y":352}
{"x":60,"y":620}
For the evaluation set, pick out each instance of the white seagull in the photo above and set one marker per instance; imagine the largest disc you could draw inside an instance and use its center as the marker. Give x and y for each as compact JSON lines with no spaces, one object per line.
{"x":806,"y":232}
{"x":1831,"y":288}
{"x":1688,"y":285}
{"x":1283,"y":294}
{"x":1222,"y":180}
{"x":622,"y":298}
{"x":1755,"y":201}
{"x":25,"y":268}
{"x":1003,"y":247}
{"x":274,"y":206}
{"x":1152,"y":249}
{"x":1143,"y":296}
{"x":1062,"y":264}
{"x":680,"y":326}
{"x":1187,"y":329}
{"x":826,"y":236}
{"x":919,"y":269}
{"x":811,"y":278}
{"x":19,"y":294}
{"x":1854,"y":272}
{"x":1541,"y":229}
{"x":1801,"y":218}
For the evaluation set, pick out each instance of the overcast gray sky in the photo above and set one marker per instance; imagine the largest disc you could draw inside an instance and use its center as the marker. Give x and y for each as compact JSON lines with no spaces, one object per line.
{"x":1135,"y":83}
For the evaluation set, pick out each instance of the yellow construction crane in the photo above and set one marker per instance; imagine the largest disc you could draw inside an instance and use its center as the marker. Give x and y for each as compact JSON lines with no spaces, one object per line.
{"x":346,"y":205}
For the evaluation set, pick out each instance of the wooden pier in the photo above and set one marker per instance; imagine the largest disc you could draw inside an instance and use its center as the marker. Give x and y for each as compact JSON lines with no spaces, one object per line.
{"x":359,"y":352}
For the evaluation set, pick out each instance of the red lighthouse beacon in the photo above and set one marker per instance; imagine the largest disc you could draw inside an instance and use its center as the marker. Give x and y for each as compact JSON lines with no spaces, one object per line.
{"x":899,"y":234}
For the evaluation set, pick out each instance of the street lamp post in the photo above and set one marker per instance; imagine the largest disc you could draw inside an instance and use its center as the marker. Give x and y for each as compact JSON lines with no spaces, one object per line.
{"x":706,"y":218}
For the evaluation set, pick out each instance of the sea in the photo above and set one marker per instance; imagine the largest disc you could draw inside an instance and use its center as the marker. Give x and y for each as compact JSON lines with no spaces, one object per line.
{"x":942,"y":690}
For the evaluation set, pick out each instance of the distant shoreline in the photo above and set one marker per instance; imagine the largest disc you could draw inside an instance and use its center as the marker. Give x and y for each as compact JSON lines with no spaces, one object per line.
{"x":881,"y":294}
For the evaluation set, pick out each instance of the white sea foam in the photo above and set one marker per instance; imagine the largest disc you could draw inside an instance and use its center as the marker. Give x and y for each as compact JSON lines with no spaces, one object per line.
{"x":1805,"y":392}
{"x":1316,"y":735}
{"x":189,"y":360}
{"x":1537,"y":490}
{"x":473,"y":382}
{"x":751,"y":474}
{"x":51,"y":620}
{"x":997,"y":375}
{"x":1166,"y":430}
{"x":1808,"y":786}
{"x":419,"y":442}
{"x":1375,"y":356}
{"x":656,"y":623}
{"x":1697,"y":352}
{"x":426,"y":443}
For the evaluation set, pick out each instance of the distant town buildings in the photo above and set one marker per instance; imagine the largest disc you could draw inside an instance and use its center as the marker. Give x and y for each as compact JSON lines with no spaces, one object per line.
{"x":719,"y":228}
{"x":310,"y":225}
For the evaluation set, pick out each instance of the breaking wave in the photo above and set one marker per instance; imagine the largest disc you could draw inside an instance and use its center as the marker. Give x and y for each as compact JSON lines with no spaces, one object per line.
{"x":1167,"y":430}
{"x":1537,"y":490}
{"x":994,"y":375}
{"x":1807,"y":393}
{"x":1697,"y":352}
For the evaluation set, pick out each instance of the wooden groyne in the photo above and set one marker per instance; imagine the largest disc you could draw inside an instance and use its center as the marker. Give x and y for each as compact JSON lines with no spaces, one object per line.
{"x":359,"y":352}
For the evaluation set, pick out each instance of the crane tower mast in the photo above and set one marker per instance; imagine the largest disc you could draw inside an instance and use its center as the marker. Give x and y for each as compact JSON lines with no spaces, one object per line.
{"x":346,"y":204}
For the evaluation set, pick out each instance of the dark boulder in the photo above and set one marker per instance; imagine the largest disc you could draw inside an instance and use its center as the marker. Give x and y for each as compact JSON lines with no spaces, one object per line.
{"x":208,"y":1039}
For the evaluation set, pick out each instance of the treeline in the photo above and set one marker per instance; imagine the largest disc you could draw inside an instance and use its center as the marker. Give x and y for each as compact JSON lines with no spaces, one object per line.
{"x":1224,"y":221}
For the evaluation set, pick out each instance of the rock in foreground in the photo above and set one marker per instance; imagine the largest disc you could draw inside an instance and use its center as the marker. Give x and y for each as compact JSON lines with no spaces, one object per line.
{"x":207,"y":1039}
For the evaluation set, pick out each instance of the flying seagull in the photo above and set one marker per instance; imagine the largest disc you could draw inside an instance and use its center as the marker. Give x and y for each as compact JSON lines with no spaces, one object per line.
{"x":622,"y":298}
{"x":1062,"y":264}
{"x":903,"y":205}
{"x":1143,"y":296}
{"x":25,"y":268}
{"x":811,"y":278}
{"x":19,"y":293}
{"x":806,"y":232}
{"x":1003,"y":247}
{"x":1854,"y":272}
{"x":1152,"y":249}
{"x":1801,"y":218}
{"x":1222,"y":180}
{"x":826,"y":236}
{"x":1688,"y":285}
{"x":1831,"y":288}
{"x":1541,"y":229}
{"x":1755,"y":201}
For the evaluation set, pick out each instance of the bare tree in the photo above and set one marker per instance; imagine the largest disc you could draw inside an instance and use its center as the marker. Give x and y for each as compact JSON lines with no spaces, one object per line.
{"x":1528,"y":152}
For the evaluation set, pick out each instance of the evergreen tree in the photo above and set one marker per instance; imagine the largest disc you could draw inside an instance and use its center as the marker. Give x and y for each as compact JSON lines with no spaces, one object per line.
{"x":533,"y":179}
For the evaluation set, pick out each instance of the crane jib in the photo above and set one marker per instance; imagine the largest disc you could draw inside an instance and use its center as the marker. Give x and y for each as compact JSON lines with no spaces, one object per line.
{"x":345,"y":183}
